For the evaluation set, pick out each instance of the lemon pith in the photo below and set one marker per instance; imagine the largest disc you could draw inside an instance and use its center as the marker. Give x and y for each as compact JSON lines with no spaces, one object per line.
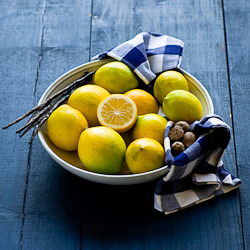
{"x":118,"y":112}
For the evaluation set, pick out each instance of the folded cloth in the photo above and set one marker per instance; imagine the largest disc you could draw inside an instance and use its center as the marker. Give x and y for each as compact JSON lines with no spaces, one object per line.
{"x":148,"y":54}
{"x":197,"y":174}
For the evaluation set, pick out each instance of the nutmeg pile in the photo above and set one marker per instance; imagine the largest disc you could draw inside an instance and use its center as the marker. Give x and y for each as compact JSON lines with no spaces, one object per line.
{"x":181,"y":137}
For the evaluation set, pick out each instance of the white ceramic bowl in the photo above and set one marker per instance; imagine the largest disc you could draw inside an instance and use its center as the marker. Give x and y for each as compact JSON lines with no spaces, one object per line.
{"x":70,"y":160}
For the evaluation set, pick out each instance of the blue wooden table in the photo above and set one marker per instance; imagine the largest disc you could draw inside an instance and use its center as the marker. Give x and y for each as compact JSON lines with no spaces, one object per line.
{"x":42,"y":206}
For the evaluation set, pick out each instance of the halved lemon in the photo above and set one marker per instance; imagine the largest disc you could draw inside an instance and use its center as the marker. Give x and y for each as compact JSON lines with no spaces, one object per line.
{"x":118,"y":112}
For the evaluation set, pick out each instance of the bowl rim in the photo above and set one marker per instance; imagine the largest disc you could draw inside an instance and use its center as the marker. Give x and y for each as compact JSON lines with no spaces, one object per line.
{"x":203,"y":90}
{"x":73,"y":168}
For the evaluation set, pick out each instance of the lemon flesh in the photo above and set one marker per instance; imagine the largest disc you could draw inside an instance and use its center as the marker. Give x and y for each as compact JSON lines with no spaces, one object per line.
{"x":118,"y":112}
{"x":101,"y":150}
{"x":181,"y":105}
{"x":167,"y":82}
{"x":64,"y":127}
{"x":150,"y":126}
{"x":144,"y":155}
{"x":86,"y":99}
{"x":116,"y":78}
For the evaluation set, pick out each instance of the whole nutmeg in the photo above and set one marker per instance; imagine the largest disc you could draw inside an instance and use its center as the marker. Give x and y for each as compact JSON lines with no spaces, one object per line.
{"x":176,"y":133}
{"x":188,"y":139}
{"x":177,"y":148}
{"x":184,"y":125}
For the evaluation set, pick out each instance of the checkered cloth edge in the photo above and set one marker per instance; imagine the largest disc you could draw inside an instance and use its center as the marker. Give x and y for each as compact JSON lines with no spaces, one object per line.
{"x":197,"y":174}
{"x":148,"y":54}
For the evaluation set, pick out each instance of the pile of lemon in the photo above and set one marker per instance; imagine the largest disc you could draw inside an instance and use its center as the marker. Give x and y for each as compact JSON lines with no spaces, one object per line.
{"x":111,"y":122}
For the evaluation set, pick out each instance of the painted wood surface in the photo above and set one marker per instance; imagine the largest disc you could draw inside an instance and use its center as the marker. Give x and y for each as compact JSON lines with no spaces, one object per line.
{"x":19,"y":53}
{"x":237,"y":26}
{"x":40,"y":202}
{"x":53,"y":201}
{"x":42,"y":206}
{"x":201,"y":27}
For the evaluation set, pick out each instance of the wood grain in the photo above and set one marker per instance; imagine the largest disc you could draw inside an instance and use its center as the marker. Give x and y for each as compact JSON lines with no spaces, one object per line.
{"x":18,"y":59}
{"x":53,"y":201}
{"x":40,"y":202}
{"x":200,"y":26}
{"x":237,"y":26}
{"x":42,"y":206}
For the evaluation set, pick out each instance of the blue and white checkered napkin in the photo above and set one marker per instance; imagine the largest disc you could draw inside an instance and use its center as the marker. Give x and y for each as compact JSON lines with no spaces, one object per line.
{"x":148,"y":54}
{"x":197,"y":174}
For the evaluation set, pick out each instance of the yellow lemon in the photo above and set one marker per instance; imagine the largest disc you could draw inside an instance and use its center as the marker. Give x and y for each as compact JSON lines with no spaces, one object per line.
{"x":64,"y":127}
{"x":102,"y":150}
{"x":86,"y":99}
{"x":116,"y":77}
{"x":168,"y":81}
{"x":117,"y":111}
{"x":150,"y":126}
{"x":181,"y":105}
{"x":144,"y":155}
{"x":144,"y":101}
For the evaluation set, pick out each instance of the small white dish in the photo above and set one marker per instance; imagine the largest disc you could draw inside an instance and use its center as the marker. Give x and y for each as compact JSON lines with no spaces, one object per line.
{"x":70,"y":160}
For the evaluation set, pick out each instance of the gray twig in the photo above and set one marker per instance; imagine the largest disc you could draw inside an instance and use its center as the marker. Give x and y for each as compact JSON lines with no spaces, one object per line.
{"x":46,"y":116}
{"x":59,"y":94}
{"x":41,"y":112}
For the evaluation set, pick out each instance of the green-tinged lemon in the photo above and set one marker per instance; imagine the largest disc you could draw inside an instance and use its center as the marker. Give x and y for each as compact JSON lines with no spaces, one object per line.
{"x":144,"y":155}
{"x":64,"y":127}
{"x":167,"y":82}
{"x":181,"y":105}
{"x":150,"y":126}
{"x":86,"y":99}
{"x":102,"y":150}
{"x":144,"y":101}
{"x":116,"y":77}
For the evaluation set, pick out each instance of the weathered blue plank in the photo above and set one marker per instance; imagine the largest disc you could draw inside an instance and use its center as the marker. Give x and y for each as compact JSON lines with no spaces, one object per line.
{"x":237,"y":16}
{"x":19,"y":41}
{"x":124,"y":218}
{"x":42,"y":206}
{"x":53,"y":201}
{"x":125,"y":214}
